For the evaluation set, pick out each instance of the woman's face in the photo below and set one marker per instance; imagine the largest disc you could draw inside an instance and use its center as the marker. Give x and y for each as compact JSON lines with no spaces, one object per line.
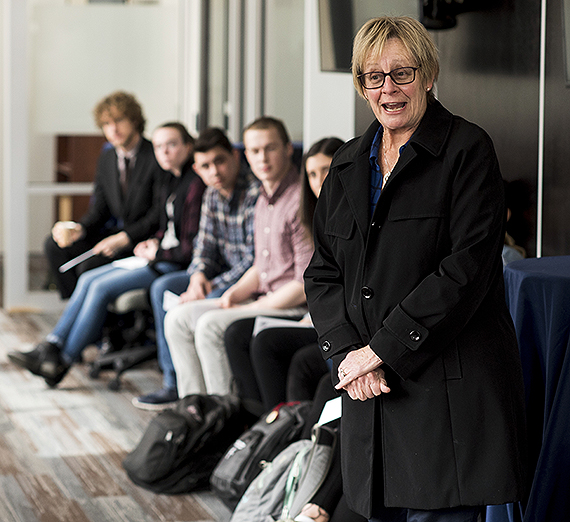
{"x":317,"y":168}
{"x":170,"y":151}
{"x":399,"y":108}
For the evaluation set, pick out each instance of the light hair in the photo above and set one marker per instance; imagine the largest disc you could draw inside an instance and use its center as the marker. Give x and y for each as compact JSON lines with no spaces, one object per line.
{"x":267,"y":122}
{"x":373,"y":35}
{"x":126,"y":104}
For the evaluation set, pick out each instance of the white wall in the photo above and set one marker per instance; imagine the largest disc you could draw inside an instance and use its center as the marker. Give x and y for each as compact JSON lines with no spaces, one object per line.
{"x":329,"y":97}
{"x":80,"y":53}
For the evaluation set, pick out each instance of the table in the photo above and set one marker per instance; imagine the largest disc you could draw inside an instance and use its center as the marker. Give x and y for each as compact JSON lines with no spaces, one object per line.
{"x":538,"y":297}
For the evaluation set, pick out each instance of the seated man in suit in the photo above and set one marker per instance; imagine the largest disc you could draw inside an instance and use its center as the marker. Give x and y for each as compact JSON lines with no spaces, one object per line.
{"x":123,"y":209}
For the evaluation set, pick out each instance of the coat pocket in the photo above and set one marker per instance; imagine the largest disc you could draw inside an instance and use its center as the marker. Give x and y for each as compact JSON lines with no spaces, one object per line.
{"x":341,"y":229}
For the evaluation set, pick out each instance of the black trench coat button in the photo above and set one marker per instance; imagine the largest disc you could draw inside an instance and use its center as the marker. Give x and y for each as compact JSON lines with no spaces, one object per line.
{"x":367,"y":293}
{"x":415,"y":336}
{"x":326,"y":346}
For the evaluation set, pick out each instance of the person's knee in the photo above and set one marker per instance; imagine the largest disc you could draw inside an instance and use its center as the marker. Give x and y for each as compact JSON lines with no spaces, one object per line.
{"x":258,"y":349}
{"x":211,"y":324}
{"x":176,"y":321}
{"x":102,"y":291}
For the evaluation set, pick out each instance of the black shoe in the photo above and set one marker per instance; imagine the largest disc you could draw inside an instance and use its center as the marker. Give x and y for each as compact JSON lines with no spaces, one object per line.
{"x":44,"y":360}
{"x":159,"y":400}
{"x":31,"y":360}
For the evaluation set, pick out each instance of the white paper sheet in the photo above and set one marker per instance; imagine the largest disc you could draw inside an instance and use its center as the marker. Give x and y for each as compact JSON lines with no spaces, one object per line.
{"x":130,"y":263}
{"x":261,"y":323}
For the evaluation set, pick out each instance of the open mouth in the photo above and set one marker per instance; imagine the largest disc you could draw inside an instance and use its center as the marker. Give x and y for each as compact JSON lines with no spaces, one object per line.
{"x":393,"y":107}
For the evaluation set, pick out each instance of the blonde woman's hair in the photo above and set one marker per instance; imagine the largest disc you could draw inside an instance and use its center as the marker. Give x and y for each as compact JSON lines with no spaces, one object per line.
{"x":373,"y":35}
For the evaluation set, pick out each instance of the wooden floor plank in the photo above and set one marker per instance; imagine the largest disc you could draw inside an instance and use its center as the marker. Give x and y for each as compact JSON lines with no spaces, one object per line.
{"x":61,"y":450}
{"x":14,"y":505}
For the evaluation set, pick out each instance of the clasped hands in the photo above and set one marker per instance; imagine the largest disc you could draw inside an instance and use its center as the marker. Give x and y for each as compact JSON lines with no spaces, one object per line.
{"x":360,"y":375}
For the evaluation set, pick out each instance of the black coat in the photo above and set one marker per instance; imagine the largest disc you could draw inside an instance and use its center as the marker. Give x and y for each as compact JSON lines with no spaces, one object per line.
{"x":137,"y":213}
{"x":421,"y":283}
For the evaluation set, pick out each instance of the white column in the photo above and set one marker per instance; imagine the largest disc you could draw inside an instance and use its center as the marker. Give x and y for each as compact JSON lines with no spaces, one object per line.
{"x":190,"y":55}
{"x":15,"y":153}
{"x":254,"y":61}
{"x":233,"y":108}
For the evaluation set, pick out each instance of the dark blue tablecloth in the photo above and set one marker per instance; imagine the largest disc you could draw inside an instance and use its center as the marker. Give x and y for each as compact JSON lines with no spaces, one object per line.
{"x":538,"y":296}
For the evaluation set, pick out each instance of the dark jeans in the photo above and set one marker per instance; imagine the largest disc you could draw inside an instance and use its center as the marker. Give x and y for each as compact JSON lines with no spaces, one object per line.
{"x":460,"y":514}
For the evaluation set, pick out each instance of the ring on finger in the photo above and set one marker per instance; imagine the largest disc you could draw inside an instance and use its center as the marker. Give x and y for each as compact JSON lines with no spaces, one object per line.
{"x":342,"y":373}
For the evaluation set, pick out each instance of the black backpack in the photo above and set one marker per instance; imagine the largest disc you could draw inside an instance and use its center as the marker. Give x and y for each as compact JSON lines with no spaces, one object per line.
{"x":244,"y":460}
{"x":180,"y":447}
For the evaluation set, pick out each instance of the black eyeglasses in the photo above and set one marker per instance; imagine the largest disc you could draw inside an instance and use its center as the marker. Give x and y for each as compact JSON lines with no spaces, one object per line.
{"x":376,"y":79}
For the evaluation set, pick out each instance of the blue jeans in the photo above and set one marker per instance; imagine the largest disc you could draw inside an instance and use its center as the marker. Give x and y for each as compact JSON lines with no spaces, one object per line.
{"x":460,"y":514}
{"x":176,"y":282}
{"x":85,"y":313}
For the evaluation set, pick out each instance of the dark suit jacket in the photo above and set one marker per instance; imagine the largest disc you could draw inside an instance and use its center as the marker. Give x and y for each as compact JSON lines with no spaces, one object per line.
{"x":138,"y":213}
{"x":421,"y":282}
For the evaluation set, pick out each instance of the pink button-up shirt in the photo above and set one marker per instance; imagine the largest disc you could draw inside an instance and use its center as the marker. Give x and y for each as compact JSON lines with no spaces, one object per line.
{"x":282,"y":247}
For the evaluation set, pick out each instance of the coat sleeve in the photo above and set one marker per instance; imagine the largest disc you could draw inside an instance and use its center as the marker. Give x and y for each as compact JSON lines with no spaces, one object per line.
{"x":431,"y":316}
{"x":324,"y":281}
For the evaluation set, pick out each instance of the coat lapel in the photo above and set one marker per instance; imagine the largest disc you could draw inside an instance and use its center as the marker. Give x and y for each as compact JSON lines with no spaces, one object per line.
{"x":355,"y":179}
{"x":356,"y":184}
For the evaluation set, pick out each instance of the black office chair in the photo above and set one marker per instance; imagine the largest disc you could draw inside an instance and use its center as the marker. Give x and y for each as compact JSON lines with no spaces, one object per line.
{"x":128,"y":337}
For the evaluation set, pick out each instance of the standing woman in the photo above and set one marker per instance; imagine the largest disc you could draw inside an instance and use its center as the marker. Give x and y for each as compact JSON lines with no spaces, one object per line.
{"x":406,"y":293}
{"x":171,"y":249}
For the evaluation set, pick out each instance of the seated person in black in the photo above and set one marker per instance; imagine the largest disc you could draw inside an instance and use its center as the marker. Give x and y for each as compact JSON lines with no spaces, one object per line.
{"x":124,"y":209}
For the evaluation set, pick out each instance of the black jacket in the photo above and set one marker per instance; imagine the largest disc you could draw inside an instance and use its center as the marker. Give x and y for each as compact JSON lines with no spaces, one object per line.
{"x":421,"y":283}
{"x":138,"y":213}
{"x":188,"y":189}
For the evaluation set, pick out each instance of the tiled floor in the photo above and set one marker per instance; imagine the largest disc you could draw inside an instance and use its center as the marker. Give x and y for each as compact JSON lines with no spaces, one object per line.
{"x":61,"y":449}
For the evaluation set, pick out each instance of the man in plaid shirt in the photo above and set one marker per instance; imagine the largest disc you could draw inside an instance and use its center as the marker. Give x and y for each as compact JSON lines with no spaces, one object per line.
{"x":223,"y":248}
{"x":272,"y":286}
